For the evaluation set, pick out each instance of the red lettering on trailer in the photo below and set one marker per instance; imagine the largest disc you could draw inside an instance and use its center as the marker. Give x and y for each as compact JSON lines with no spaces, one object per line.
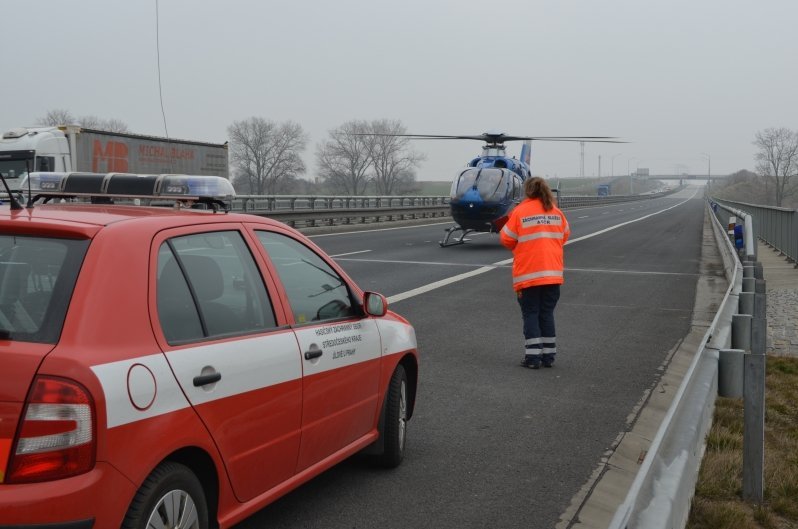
{"x":111,"y":159}
{"x":156,"y":152}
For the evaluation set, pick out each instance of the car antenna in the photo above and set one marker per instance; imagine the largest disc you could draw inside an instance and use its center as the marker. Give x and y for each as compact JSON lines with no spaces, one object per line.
{"x":15,"y":205}
{"x":29,"y":205}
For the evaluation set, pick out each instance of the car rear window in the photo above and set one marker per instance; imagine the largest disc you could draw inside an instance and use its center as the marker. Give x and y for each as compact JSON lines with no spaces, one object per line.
{"x":37,"y":277}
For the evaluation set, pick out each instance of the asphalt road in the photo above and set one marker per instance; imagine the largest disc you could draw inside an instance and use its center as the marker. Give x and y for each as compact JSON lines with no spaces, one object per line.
{"x":493,"y":444}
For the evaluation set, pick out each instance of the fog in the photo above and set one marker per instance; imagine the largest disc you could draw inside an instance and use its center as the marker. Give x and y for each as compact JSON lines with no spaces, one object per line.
{"x":676,"y":79}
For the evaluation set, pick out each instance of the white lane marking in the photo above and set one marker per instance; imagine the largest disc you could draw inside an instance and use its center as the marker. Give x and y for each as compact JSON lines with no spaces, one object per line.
{"x":630,"y":221}
{"x":443,"y":282}
{"x":379,"y":229}
{"x":633,"y":272}
{"x":583,"y":217}
{"x":432,"y":263}
{"x":439,"y":284}
{"x":349,"y":253}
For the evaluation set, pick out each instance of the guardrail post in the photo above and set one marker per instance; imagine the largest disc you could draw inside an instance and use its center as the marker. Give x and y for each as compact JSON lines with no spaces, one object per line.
{"x":754,"y":427}
{"x":730,"y":373}
{"x":759,"y":272}
{"x":745,"y":303}
{"x":759,"y":323}
{"x":741,"y":332}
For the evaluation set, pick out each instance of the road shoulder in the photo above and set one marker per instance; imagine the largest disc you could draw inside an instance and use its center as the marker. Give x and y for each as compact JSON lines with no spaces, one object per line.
{"x":595,"y":504}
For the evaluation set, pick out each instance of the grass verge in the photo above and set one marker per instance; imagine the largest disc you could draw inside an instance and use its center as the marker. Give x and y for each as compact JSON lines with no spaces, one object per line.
{"x":718,"y":502}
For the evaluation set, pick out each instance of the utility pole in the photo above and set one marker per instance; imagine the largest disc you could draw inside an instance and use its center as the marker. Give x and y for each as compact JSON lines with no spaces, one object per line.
{"x":709,"y":169}
{"x":599,"y":166}
{"x":582,"y":159}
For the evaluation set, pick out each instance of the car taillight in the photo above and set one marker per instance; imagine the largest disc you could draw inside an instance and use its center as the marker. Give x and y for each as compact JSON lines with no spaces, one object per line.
{"x":56,"y":437}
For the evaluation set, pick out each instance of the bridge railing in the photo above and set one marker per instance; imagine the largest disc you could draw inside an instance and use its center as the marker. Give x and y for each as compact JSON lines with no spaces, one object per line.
{"x":778,"y":227}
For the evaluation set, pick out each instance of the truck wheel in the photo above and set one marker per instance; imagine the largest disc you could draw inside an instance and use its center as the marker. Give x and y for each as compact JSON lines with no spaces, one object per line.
{"x":171,"y":497}
{"x":395,"y":431}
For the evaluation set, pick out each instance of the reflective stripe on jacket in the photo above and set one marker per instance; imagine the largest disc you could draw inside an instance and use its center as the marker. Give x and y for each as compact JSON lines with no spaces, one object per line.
{"x":536,"y":238}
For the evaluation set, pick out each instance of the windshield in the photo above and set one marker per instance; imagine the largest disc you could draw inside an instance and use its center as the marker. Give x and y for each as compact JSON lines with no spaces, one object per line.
{"x":37,"y":275}
{"x":491,"y":183}
{"x":13,"y":168}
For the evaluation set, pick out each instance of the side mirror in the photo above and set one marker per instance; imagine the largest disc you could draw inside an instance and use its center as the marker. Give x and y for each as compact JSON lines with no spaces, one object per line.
{"x":375,"y":304}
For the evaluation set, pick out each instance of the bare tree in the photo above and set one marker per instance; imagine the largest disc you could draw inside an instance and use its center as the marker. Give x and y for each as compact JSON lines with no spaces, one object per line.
{"x":345,"y":158}
{"x":777,"y":160}
{"x":115,"y":125}
{"x":56,"y":117}
{"x":393,"y":161}
{"x":59,"y":117}
{"x":110,"y":125}
{"x":265,"y":155}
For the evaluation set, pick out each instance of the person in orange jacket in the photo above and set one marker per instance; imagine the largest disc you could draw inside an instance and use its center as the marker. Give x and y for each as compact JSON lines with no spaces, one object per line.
{"x":536,"y":233}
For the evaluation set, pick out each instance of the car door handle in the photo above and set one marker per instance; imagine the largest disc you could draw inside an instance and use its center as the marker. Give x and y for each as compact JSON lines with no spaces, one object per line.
{"x":313,"y":353}
{"x":204,"y":380}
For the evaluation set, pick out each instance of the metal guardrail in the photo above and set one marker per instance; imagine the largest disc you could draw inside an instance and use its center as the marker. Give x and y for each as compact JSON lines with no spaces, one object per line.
{"x":329,"y":210}
{"x":270,"y":203}
{"x":778,"y":227}
{"x":661,"y":492}
{"x":565,"y":202}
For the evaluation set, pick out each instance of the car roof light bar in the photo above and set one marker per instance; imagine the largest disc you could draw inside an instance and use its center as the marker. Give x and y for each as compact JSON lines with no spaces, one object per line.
{"x":213,"y":190}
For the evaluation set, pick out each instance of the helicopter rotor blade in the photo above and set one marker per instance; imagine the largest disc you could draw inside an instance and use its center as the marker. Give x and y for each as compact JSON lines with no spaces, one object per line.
{"x":496,"y":138}
{"x":586,"y":140}
{"x":420,"y":136}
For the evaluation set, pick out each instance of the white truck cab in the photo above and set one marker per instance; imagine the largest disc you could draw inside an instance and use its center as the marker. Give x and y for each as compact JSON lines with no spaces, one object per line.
{"x":33,"y":149}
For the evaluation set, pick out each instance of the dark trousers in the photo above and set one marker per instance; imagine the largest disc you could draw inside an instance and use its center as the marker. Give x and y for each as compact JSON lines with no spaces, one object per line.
{"x":537,"y":310}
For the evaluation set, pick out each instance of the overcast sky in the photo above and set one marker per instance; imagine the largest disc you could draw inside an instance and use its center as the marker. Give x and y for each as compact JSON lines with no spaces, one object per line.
{"x":677,"y":78}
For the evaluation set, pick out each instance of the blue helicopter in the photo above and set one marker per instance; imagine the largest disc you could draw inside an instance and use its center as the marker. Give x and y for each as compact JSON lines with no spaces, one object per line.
{"x":485,"y":192}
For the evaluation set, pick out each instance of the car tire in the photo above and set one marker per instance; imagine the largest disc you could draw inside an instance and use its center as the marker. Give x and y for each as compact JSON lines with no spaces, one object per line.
{"x":395,"y":425}
{"x":173,"y":496}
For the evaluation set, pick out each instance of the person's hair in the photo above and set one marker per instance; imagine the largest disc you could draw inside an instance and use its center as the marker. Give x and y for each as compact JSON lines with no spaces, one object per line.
{"x":536,"y":187}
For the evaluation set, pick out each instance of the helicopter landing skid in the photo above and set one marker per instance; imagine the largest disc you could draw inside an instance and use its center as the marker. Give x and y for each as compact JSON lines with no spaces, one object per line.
{"x":449,"y":232}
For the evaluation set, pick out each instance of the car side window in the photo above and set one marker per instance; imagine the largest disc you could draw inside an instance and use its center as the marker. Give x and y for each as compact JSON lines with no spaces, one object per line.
{"x":208,"y":286}
{"x":315,"y":291}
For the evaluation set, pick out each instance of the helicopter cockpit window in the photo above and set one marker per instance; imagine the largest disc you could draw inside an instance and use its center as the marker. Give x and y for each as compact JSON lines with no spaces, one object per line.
{"x":464,"y":182}
{"x":492,"y":184}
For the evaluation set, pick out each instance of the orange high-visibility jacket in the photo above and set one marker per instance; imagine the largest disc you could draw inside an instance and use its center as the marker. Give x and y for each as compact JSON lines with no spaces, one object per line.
{"x":536,"y":238}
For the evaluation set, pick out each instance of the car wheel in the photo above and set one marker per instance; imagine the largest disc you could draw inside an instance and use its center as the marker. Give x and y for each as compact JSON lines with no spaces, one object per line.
{"x":395,"y":430}
{"x":172,"y":498}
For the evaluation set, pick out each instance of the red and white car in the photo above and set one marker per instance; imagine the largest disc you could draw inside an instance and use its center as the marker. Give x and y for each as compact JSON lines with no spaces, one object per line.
{"x":171,"y":367}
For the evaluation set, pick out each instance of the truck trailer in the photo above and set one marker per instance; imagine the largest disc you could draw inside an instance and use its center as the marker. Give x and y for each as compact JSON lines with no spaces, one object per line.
{"x":72,"y":148}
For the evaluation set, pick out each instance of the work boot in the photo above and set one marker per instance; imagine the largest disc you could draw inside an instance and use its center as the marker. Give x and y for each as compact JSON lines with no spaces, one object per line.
{"x":531,"y":361}
{"x":547,"y":359}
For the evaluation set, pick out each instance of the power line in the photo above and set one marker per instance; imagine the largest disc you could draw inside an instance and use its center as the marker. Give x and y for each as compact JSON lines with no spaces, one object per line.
{"x":158,"y":53}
